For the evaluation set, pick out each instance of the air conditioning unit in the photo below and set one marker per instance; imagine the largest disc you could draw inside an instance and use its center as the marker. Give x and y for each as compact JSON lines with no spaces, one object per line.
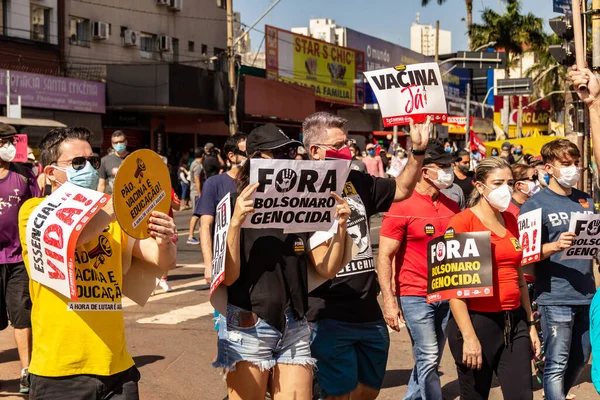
{"x":130,"y":38}
{"x":100,"y":30}
{"x":165,"y":43}
{"x":162,"y":2}
{"x":175,"y":5}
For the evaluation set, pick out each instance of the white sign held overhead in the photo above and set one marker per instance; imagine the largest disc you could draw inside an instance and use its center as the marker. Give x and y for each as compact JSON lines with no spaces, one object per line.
{"x":295,"y":193}
{"x":409,"y":91}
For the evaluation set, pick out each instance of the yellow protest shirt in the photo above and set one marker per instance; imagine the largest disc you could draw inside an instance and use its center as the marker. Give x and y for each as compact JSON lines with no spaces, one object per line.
{"x":85,"y":336}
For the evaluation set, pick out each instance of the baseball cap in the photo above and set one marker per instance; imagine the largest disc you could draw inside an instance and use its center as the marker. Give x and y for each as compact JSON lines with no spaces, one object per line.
{"x":507,"y":146}
{"x":7,"y":131}
{"x":208,"y":147}
{"x":435,"y":154}
{"x":268,"y":137}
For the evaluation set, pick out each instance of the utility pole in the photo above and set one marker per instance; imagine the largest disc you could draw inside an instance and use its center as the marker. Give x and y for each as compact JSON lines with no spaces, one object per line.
{"x":520,"y":118}
{"x":437,"y":58}
{"x":468,"y":120}
{"x":233,"y":125}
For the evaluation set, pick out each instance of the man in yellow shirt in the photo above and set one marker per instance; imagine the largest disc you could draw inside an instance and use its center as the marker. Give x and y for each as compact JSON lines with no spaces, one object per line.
{"x":79,"y":348}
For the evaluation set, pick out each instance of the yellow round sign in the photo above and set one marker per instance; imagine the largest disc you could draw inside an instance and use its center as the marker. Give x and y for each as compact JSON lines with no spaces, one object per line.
{"x":142,"y":185}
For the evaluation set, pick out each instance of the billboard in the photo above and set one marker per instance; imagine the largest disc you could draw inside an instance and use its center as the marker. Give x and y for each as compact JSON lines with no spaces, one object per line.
{"x":334,"y":72}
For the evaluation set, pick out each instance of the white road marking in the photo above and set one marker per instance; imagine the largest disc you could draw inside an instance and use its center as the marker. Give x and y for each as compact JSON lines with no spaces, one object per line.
{"x":179,"y":315}
{"x":161,"y":296}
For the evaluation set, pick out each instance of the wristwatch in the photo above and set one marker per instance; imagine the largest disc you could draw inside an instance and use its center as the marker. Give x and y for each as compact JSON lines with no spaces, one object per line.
{"x":531,"y":323}
{"x":418,"y":152}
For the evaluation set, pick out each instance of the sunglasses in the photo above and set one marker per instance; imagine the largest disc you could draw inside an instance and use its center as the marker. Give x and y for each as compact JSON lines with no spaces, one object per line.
{"x":79,"y":162}
{"x":285,"y":152}
{"x":533,"y":178}
{"x":10,"y":140}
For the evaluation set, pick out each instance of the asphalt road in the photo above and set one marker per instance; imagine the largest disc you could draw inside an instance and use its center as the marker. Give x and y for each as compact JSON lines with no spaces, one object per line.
{"x":173,"y":342}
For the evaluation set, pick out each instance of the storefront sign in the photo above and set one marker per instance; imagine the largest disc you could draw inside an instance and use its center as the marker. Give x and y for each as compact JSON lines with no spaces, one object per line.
{"x":54,"y":92}
{"x":222,"y":219}
{"x":52,"y":233}
{"x":586,"y":244}
{"x":334,"y":72}
{"x":141,"y":186}
{"x":530,"y":235}
{"x":531,"y":117}
{"x":409,"y":91}
{"x":460,"y":266}
{"x":295,"y":193}
{"x":21,"y":146}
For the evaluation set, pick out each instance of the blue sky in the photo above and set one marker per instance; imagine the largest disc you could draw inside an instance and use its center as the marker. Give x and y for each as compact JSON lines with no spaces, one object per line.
{"x":386,"y":19}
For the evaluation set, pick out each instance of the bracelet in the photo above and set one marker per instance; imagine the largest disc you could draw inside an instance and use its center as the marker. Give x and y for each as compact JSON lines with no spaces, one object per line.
{"x":418,"y":152}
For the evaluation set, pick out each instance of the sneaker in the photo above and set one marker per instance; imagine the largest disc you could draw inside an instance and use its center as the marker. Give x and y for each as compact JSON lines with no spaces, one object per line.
{"x":164,"y":285}
{"x":193,"y":240}
{"x":24,"y":381}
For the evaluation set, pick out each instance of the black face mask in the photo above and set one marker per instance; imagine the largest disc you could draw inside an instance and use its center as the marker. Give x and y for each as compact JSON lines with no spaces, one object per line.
{"x":463,"y":168}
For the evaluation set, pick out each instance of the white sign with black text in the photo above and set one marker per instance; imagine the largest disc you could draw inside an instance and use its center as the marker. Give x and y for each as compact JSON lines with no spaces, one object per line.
{"x":222,"y":219}
{"x":294,"y":193}
{"x":409,"y":91}
{"x":585,"y":246}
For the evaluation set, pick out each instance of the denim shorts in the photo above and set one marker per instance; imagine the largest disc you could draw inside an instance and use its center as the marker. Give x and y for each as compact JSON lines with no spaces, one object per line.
{"x":262,"y":344}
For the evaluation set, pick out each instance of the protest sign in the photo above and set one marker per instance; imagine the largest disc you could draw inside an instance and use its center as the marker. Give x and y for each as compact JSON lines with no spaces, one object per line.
{"x":585,"y":246}
{"x":295,"y":193}
{"x":222,"y":219}
{"x":21,"y":146}
{"x":409,"y":91}
{"x":530,"y":235}
{"x":459,"y":266}
{"x":52,"y":233}
{"x":142,"y":185}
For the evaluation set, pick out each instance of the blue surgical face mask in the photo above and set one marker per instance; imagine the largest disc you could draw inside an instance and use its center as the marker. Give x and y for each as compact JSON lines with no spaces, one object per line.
{"x":87,"y":177}
{"x":518,"y":151}
{"x":547,"y":179}
{"x":371,"y":152}
{"x":448,"y":149}
{"x":494,"y":153}
{"x":119,"y":147}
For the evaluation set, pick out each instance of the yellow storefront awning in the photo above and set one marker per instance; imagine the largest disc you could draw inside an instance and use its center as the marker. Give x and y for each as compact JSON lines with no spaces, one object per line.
{"x":531,"y":145}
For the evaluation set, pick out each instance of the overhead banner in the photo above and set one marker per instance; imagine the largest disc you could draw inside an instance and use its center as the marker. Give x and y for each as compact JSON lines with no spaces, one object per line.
{"x":334,"y":72}
{"x":222,"y":219}
{"x":530,"y":235}
{"x":586,"y":244}
{"x":459,"y":266}
{"x":295,"y":194}
{"x":142,"y":185}
{"x":409,"y":91}
{"x":52,"y":233}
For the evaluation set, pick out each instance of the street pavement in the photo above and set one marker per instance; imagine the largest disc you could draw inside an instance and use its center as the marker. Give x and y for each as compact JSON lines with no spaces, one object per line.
{"x":173,"y":342}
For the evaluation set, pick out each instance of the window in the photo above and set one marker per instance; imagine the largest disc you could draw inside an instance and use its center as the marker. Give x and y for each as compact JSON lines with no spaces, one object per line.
{"x":217,"y":51}
{"x":204,"y":49}
{"x":40,"y":23}
{"x":191,"y":46}
{"x":79,"y":31}
{"x":148,"y":45}
{"x":175,"y":50}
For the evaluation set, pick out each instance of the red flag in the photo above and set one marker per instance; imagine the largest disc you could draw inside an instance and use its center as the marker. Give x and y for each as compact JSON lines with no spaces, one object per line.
{"x":477,"y":144}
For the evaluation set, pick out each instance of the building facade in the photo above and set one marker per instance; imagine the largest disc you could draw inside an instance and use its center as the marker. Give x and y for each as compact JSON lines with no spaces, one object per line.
{"x":423,"y":38}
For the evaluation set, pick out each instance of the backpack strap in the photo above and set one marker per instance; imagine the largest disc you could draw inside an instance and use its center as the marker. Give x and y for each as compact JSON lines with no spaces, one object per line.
{"x":21,"y":170}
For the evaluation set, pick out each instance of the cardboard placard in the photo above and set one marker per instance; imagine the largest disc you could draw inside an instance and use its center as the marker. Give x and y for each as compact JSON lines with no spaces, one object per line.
{"x":530,"y":235}
{"x":459,"y":266}
{"x":409,"y":91}
{"x":21,"y":146}
{"x":52,"y":233}
{"x":222,"y":220}
{"x":295,"y":193}
{"x":586,"y":244}
{"x":142,"y":185}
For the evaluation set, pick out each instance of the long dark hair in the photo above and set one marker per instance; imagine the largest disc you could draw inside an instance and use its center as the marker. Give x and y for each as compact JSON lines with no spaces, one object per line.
{"x":243,"y":176}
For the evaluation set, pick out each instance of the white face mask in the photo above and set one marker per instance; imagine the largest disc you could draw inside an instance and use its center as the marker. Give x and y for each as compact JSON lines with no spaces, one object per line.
{"x":532,"y":188}
{"x":445,"y":178}
{"x":8,"y":152}
{"x":569,"y":176}
{"x":500,"y":197}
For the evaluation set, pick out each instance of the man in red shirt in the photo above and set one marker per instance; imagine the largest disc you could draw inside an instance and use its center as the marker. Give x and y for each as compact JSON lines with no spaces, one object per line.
{"x":405,"y":232}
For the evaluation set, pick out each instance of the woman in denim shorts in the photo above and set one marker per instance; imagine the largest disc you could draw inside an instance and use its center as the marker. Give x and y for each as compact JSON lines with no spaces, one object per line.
{"x":264,"y":337}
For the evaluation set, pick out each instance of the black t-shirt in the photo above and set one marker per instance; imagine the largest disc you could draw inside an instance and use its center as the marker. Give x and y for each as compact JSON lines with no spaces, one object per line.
{"x":352,"y":295}
{"x":273,"y":277}
{"x":211,"y":166}
{"x":466,"y":184}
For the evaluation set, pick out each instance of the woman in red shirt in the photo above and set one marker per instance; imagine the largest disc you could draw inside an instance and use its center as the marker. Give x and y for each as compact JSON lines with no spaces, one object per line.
{"x":497,"y":333}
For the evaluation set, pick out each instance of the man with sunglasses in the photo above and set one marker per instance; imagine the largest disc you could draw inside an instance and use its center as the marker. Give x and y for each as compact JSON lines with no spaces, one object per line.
{"x":81,"y":353}
{"x":112,"y":162}
{"x":17,"y":184}
{"x":350,"y":336}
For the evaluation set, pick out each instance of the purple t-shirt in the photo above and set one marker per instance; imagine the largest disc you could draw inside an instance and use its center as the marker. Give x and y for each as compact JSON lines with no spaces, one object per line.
{"x":15,"y":189}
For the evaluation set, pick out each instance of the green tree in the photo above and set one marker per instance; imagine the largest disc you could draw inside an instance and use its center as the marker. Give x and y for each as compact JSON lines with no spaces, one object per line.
{"x":548,"y":76}
{"x":511,"y":31}
{"x":468,"y":4}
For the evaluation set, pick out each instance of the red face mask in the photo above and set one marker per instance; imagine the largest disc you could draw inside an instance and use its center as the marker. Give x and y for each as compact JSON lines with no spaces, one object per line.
{"x":341,"y":154}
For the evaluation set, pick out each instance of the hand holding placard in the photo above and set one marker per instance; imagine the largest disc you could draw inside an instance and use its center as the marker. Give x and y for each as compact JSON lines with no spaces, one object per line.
{"x":243,"y":205}
{"x":419,"y":134}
